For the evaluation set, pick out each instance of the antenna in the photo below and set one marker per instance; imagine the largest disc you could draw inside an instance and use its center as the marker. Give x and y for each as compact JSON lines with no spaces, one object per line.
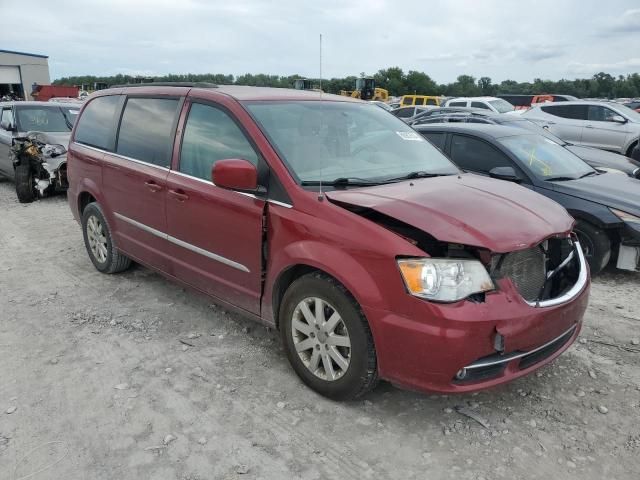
{"x":320,"y":196}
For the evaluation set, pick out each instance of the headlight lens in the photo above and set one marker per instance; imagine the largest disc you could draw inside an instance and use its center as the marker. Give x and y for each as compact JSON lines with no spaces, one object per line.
{"x":53,"y":150}
{"x":624,"y":216}
{"x":444,"y":279}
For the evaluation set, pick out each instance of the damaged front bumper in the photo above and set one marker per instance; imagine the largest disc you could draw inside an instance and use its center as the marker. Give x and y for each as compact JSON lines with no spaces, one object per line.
{"x":47,"y":161}
{"x":629,"y":250}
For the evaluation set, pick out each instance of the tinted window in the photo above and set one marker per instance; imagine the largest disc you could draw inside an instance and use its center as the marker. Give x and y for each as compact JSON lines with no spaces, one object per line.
{"x":7,"y":116}
{"x":419,"y":101}
{"x":431,"y":101}
{"x":576,"y":112}
{"x":437,"y":138}
{"x":407,"y":101}
{"x":146,"y":130}
{"x":457,"y":104}
{"x":476,"y":155}
{"x":598,"y":113}
{"x":404,"y":112}
{"x":480,"y":105}
{"x":96,"y":125}
{"x":211,"y":135}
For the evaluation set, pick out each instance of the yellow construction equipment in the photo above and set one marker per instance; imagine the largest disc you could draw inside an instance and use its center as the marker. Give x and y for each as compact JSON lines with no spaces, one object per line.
{"x":366,"y":90}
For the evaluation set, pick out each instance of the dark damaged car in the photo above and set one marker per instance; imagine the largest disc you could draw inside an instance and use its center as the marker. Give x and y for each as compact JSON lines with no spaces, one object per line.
{"x":33,"y":146}
{"x":336,"y":223}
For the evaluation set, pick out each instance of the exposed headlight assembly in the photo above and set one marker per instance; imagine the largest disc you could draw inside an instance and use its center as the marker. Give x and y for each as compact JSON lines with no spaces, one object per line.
{"x":53,"y":150}
{"x":444,"y":279}
{"x":624,"y":216}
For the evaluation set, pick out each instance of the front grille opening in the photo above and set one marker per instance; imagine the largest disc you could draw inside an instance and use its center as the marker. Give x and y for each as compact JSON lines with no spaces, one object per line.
{"x":535,"y":357}
{"x":531,"y":270}
{"x":482,"y":373}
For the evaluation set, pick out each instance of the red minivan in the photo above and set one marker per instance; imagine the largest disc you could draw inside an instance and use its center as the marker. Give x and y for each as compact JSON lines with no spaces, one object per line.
{"x":336,"y":223}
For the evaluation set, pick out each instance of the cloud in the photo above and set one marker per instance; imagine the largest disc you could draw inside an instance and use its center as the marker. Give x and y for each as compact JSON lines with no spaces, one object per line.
{"x":630,"y":64}
{"x":628,"y":22}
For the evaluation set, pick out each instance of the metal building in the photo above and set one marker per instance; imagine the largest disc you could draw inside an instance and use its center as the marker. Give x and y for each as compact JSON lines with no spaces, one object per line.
{"x":19,"y":71}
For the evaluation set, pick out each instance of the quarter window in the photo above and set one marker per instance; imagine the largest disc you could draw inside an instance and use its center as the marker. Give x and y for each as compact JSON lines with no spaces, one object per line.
{"x":457,"y":104}
{"x":211,"y":135}
{"x":480,"y":105}
{"x":476,"y":155}
{"x":146,"y":130}
{"x":96,"y":125}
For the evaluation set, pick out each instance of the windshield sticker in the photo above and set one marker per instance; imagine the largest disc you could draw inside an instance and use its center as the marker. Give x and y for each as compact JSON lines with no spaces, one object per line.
{"x":413,"y":136}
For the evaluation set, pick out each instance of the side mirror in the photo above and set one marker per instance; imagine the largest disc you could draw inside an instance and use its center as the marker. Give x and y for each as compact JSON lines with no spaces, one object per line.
{"x":618,"y":119}
{"x":235,"y":174}
{"x":7,"y":126}
{"x":505,"y":173}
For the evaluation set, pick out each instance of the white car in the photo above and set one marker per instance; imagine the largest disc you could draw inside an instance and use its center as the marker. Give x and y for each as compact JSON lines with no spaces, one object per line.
{"x":497,"y":105}
{"x":605,"y":125}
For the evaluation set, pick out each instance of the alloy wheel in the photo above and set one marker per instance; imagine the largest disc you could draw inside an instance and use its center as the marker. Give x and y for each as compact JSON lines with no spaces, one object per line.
{"x":321,"y":338}
{"x":97,"y":239}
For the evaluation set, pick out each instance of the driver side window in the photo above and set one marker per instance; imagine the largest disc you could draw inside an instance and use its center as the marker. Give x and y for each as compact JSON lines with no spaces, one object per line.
{"x":476,"y":155}
{"x":211,"y":135}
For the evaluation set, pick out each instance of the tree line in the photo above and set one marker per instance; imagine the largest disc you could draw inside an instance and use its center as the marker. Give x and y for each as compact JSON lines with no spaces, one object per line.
{"x":397,"y":82}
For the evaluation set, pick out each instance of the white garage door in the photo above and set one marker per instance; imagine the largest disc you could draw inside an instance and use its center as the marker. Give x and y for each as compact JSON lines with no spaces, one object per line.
{"x":9,"y":74}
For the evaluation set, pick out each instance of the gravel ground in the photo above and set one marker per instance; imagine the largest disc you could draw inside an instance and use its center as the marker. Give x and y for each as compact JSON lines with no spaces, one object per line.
{"x":130,"y":376}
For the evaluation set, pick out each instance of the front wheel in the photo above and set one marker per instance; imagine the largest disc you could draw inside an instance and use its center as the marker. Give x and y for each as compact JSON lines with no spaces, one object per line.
{"x":596,"y":245}
{"x":327,"y":338}
{"x":25,"y":183}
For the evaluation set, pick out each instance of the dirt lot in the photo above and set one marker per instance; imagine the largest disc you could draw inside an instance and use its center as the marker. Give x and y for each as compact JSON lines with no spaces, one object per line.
{"x":96,"y":383}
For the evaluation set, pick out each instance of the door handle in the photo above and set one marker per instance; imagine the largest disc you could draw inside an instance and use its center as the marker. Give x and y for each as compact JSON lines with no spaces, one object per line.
{"x":588,"y":126}
{"x":153,"y":186}
{"x":179,"y":195}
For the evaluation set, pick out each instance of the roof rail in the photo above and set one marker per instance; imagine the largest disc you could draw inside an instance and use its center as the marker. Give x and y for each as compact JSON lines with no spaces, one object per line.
{"x":169,"y":84}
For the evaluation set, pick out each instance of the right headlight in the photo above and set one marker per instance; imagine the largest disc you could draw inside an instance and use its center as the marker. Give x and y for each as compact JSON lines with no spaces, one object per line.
{"x":444,"y":279}
{"x":624,"y":216}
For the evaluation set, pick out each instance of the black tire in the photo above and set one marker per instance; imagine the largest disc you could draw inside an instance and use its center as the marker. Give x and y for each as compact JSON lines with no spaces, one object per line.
{"x":25,"y":185}
{"x":633,"y":151}
{"x":113,"y":261}
{"x":596,"y":245}
{"x":361,"y":375}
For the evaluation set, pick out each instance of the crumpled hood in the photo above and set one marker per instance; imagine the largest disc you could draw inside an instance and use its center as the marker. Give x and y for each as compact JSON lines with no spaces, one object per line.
{"x":52,"y":138}
{"x":466,"y":209}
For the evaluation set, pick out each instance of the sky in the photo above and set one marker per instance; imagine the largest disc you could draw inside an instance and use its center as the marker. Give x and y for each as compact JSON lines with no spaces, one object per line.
{"x":518,"y":39}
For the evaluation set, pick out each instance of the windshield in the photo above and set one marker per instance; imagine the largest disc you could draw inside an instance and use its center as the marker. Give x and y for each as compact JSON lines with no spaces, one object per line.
{"x":331,"y":140}
{"x":502,"y":106}
{"x":45,"y":118}
{"x":545,"y":158}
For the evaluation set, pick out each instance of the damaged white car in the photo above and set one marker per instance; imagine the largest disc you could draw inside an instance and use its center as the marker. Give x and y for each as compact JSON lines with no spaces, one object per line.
{"x":33,"y":146}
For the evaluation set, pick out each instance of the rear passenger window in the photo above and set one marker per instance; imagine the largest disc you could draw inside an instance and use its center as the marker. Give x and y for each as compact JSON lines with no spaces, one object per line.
{"x":146,"y":130}
{"x":436,"y":138}
{"x":457,"y":104}
{"x":419,"y":101}
{"x":211,"y":135}
{"x":96,"y":125}
{"x":479,"y":105}
{"x":576,"y":112}
{"x":431,"y":101}
{"x":405,"y":112}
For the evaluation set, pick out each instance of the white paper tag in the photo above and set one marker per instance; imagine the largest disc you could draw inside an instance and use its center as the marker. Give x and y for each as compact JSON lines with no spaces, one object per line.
{"x":412,"y":136}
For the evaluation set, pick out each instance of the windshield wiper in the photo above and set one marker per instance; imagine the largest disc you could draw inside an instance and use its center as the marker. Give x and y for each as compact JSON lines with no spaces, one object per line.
{"x":588,"y":174}
{"x":417,"y":174}
{"x":341,"y":182}
{"x":559,"y":179}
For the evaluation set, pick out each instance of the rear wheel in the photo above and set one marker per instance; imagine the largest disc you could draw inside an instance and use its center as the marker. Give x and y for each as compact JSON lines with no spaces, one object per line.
{"x":595,"y":244}
{"x":25,"y":183}
{"x":327,"y":338}
{"x":99,"y":243}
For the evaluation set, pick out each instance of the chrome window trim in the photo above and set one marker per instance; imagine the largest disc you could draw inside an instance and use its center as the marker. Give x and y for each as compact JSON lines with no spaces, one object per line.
{"x":208,"y":182}
{"x":509,"y":357}
{"x":124,"y":157}
{"x":183,"y":244}
{"x":573,"y":291}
